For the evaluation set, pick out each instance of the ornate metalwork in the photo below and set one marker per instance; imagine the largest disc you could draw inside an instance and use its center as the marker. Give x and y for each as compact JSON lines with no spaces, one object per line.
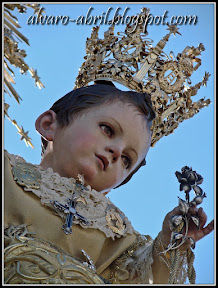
{"x":15,"y":57}
{"x":70,"y":211}
{"x":35,"y":261}
{"x":27,"y":175}
{"x":188,"y":180}
{"x":115,"y":220}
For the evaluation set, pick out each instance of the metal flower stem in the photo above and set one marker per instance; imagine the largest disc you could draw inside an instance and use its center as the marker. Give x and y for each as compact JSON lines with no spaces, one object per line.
{"x":187,"y":198}
{"x":184,"y":237}
{"x":188,"y":180}
{"x":172,"y":246}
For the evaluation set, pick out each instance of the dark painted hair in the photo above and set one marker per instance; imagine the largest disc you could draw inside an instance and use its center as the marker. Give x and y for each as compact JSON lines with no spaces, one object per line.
{"x":77,"y":101}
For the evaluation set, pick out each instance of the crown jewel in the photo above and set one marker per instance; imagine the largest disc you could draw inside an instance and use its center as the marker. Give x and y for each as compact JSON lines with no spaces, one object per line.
{"x":130,"y":59}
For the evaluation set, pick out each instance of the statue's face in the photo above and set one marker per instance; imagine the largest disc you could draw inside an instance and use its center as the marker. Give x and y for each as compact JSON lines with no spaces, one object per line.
{"x":104,"y":144}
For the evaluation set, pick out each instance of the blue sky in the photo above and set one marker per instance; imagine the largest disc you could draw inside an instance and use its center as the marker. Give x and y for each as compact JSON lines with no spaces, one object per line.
{"x":57,"y":52}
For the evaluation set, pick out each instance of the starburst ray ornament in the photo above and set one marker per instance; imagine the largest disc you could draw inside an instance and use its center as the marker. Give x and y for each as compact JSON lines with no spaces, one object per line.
{"x":130,"y":59}
{"x":13,"y":56}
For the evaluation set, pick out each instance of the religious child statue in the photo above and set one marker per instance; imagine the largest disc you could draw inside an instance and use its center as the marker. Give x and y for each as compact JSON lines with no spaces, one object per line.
{"x":60,"y":228}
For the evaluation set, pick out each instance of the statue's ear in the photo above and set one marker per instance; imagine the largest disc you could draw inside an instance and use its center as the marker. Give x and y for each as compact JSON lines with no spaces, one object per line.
{"x":46,"y":124}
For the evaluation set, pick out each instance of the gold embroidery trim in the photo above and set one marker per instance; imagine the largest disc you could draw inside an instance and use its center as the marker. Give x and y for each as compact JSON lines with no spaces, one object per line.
{"x":117,"y":265}
{"x":27,"y":175}
{"x":36,"y":261}
{"x":114,"y":220}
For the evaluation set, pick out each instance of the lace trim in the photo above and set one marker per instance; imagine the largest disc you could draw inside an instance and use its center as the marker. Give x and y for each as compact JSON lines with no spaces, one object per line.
{"x":91,"y":204}
{"x":134,"y":265}
{"x":182,"y":274}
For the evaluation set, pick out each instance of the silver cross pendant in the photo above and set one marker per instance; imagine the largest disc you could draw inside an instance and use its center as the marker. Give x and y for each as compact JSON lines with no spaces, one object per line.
{"x":70,"y":211}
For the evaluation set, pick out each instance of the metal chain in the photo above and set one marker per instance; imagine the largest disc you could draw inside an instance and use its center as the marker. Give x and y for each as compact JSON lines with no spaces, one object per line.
{"x":174,"y":259}
{"x":191,"y":270}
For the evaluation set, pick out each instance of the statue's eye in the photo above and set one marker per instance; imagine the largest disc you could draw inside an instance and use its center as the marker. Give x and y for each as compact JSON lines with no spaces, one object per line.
{"x":107,"y":130}
{"x":127,"y":161}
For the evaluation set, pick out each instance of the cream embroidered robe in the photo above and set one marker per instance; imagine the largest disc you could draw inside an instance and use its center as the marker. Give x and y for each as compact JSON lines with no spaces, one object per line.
{"x":120,"y":254}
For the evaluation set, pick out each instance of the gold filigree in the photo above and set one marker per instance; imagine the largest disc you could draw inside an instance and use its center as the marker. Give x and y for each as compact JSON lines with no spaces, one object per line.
{"x":93,"y":207}
{"x":174,"y":80}
{"x":25,"y":137}
{"x":118,"y":264}
{"x":27,"y":175}
{"x":81,"y":179}
{"x":115,"y":220}
{"x":13,"y":56}
{"x":81,"y":199}
{"x":36,"y":261}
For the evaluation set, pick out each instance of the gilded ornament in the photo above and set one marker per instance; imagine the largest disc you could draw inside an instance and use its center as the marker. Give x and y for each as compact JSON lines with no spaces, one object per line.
{"x":24,"y":136}
{"x":114,"y":220}
{"x":15,"y":57}
{"x":39,"y":262}
{"x":27,"y":175}
{"x":174,"y":80}
{"x":81,"y":199}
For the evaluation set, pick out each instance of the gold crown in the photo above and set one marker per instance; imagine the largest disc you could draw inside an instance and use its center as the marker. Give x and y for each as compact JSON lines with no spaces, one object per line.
{"x":130,"y":59}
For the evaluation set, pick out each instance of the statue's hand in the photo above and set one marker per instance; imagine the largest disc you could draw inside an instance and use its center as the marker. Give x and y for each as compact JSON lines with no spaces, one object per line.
{"x":194,"y":232}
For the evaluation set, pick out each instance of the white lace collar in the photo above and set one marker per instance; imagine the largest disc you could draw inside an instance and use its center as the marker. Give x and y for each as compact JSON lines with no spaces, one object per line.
{"x":100,"y":212}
